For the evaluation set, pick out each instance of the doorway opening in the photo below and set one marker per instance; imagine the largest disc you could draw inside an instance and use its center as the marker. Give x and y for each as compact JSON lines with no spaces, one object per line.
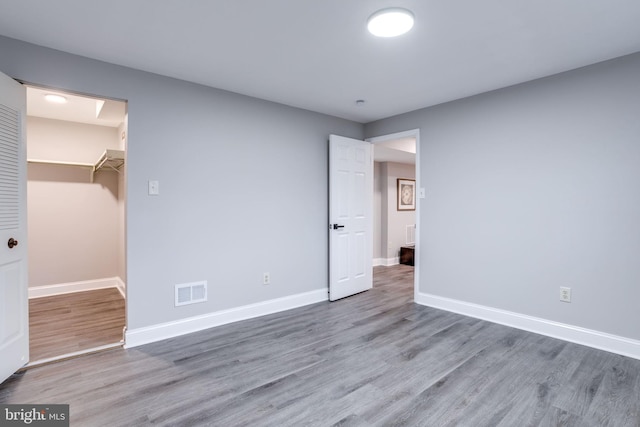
{"x":396,"y":203}
{"x":76,"y":200}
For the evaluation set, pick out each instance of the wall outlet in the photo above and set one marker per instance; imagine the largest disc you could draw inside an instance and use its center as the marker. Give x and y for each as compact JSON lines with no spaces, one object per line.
{"x":565,"y":294}
{"x":154,"y":187}
{"x":266,"y":279}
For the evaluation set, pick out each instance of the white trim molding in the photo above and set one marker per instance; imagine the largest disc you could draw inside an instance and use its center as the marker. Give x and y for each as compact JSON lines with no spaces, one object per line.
{"x":149,"y":334}
{"x":591,"y":338}
{"x":122,"y":287}
{"x":386,"y":262}
{"x":84,"y":285}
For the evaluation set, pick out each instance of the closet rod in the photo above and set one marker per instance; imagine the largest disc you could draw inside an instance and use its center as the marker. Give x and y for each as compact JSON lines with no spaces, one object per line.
{"x":55,"y":162}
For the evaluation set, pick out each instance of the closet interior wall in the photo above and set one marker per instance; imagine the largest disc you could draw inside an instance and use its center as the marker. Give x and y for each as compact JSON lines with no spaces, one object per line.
{"x":75,"y":220}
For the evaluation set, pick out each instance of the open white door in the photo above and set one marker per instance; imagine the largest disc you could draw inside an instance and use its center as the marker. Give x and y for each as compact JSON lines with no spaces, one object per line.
{"x":350,"y":217}
{"x":14,"y":303}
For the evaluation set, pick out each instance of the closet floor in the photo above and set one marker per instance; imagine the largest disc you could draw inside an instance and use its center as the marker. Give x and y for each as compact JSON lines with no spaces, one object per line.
{"x":75,"y":322}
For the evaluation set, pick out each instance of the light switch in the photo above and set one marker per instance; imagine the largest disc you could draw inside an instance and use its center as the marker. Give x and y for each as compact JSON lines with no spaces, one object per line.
{"x":421,"y":193}
{"x":154,"y":188}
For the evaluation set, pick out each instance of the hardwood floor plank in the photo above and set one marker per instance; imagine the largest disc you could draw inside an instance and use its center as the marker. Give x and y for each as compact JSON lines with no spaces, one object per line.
{"x":618,"y":399}
{"x":534,"y":401}
{"x":372,"y":359}
{"x":581,"y":389}
{"x":68,"y":323}
{"x":509,"y":386}
{"x":557,"y":417}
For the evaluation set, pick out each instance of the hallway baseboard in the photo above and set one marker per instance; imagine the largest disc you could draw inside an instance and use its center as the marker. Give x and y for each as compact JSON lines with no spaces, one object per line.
{"x":386,"y":262}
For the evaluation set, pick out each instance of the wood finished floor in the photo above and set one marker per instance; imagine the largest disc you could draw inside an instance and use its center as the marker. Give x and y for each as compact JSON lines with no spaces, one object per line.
{"x":78,"y":321}
{"x":374,"y":359}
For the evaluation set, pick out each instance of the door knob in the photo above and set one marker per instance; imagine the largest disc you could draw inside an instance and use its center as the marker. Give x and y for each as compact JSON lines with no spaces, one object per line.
{"x":12,"y":242}
{"x":336,"y":226}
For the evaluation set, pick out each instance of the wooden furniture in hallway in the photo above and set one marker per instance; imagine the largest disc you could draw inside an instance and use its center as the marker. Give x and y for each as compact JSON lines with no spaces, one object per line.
{"x":407,"y":254}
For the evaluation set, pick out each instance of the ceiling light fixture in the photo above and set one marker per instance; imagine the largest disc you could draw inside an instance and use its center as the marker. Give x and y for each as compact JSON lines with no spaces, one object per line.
{"x":56,"y":99}
{"x":390,"y":22}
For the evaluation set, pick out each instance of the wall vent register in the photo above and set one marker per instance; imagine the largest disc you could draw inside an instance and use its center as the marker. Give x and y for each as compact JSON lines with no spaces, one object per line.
{"x":190,"y":293}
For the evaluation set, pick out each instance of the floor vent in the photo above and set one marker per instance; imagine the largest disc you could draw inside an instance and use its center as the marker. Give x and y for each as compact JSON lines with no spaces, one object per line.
{"x":191,"y":293}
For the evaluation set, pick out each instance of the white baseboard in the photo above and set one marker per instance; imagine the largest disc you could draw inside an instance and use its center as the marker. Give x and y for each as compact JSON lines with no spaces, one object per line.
{"x":149,"y":334}
{"x":591,"y":338}
{"x":122,"y":287}
{"x":386,"y":262}
{"x":84,"y":285}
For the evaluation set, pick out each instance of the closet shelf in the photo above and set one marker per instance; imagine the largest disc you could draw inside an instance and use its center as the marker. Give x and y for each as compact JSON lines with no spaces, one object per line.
{"x":110,"y":159}
{"x":56,"y":162}
{"x":113,"y":159}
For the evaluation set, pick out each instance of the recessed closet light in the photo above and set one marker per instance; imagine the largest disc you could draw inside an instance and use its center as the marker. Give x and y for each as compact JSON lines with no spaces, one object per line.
{"x":56,"y":99}
{"x":390,"y":22}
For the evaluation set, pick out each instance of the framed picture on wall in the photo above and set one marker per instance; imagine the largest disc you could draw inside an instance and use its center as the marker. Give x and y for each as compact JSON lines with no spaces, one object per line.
{"x":406,"y":194}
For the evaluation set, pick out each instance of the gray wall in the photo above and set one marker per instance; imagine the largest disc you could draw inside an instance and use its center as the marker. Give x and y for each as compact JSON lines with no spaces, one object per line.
{"x":534,"y":187}
{"x":243,"y":185}
{"x":377,"y":211}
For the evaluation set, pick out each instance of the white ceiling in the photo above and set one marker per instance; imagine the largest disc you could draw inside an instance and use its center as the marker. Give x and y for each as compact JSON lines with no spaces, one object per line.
{"x":318,"y":55}
{"x":80,"y":109}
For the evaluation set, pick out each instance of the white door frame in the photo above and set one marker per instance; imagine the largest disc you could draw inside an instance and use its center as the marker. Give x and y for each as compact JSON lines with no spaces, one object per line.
{"x":413,"y":133}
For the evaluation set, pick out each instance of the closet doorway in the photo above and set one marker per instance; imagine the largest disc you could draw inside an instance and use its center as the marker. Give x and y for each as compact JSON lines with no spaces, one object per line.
{"x":76,"y":176}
